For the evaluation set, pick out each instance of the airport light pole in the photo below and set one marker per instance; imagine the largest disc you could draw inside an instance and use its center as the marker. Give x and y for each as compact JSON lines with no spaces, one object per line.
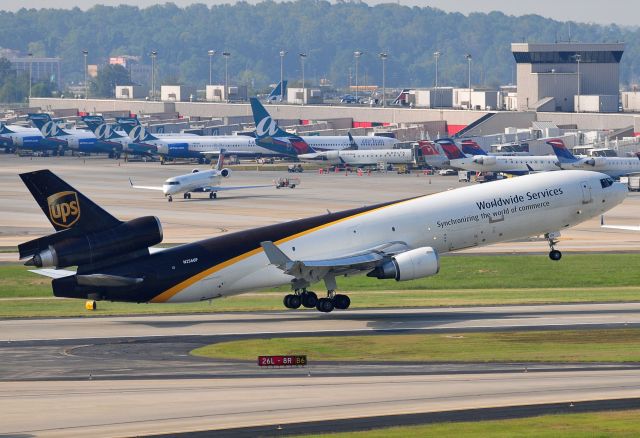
{"x":226,"y":74}
{"x":282,"y":53}
{"x":357,"y":54}
{"x":578,"y":58}
{"x":304,"y":93}
{"x":30,"y":72}
{"x":468,"y":56}
{"x":383,"y":56}
{"x":85,"y":53}
{"x":436,"y":55}
{"x":154,"y":54}
{"x":210,"y":53}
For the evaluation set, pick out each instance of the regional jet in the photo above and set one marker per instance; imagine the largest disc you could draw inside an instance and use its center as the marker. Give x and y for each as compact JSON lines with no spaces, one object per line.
{"x":613,"y":166}
{"x":206,"y":181}
{"x":481,"y":162}
{"x":399,"y":240}
{"x":13,"y":137}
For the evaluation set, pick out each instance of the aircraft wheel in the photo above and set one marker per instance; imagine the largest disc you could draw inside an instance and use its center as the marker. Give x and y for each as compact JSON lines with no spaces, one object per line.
{"x":341,"y":302}
{"x":215,"y":195}
{"x":295,"y":301}
{"x":325,"y":305}
{"x":185,"y":195}
{"x":309,"y":299}
{"x":285,"y":301}
{"x":555,"y":255}
{"x":211,"y":195}
{"x":170,"y":198}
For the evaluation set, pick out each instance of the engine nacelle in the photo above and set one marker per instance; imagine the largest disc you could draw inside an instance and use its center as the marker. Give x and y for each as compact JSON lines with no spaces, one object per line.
{"x":596,"y":161}
{"x":136,"y":234}
{"x":487,"y":160}
{"x":409,"y":265}
{"x":332,"y":155}
{"x":225,"y":172}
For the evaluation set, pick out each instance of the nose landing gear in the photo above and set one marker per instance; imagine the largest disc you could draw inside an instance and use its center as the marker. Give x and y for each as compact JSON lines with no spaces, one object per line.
{"x":554,"y":254}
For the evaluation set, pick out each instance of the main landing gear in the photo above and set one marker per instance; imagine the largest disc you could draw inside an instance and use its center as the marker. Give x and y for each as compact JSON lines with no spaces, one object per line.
{"x":310,"y":300}
{"x":187,"y":195}
{"x":213,"y":195}
{"x":554,"y":254}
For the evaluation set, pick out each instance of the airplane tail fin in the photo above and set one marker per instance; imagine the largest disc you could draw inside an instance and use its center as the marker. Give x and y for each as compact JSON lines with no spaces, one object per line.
{"x":564,"y":155}
{"x":266,"y":127}
{"x":65,"y":207}
{"x":220,"y":162}
{"x":353,"y":146}
{"x":428,"y":148}
{"x":402,"y":98}
{"x":4,"y":129}
{"x":47,"y":127}
{"x":134,"y":129}
{"x":101,"y":129}
{"x":470,"y":147}
{"x":450,"y":149}
{"x":278,"y":92}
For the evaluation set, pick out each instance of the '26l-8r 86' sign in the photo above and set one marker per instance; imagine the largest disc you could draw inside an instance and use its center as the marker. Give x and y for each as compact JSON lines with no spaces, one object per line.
{"x":282,"y":361}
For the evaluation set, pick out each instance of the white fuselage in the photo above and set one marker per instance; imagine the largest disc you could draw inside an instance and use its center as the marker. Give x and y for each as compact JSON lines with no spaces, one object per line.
{"x":612,"y":166}
{"x":339,"y":142}
{"x":448,"y":221}
{"x":233,"y":144}
{"x":191,"y":182}
{"x":507,"y":163}
{"x":362,"y":157}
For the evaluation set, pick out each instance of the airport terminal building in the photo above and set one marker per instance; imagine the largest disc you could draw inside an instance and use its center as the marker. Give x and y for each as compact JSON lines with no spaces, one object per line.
{"x":567,"y":77}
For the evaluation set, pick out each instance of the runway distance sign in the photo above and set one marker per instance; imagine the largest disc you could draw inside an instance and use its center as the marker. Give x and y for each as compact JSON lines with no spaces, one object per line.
{"x":282,"y":361}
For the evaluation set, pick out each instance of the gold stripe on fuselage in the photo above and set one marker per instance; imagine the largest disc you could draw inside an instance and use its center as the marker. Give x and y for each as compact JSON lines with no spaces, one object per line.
{"x":172,"y":291}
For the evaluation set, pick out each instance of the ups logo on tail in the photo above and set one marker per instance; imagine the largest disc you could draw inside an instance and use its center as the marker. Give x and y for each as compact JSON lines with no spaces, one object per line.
{"x":64,"y":208}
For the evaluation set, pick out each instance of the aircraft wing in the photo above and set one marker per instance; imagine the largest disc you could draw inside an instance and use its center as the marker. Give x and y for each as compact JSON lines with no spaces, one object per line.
{"x":223,"y":188}
{"x":214,"y":153}
{"x":315,"y":270}
{"x":145,"y":187}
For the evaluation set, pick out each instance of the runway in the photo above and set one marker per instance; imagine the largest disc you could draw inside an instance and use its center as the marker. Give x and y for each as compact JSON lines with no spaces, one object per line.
{"x":122,"y":376}
{"x":107,"y":183}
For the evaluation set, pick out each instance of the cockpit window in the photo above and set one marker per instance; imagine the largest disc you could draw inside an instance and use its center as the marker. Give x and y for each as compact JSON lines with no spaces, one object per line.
{"x":173,"y":183}
{"x":606,"y":182}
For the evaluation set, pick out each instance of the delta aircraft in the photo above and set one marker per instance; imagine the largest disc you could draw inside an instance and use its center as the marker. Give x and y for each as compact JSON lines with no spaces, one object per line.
{"x":271,"y":136}
{"x":613,"y":166}
{"x":77,"y":140}
{"x":205,"y":181}
{"x":398,"y":240}
{"x":480,"y":161}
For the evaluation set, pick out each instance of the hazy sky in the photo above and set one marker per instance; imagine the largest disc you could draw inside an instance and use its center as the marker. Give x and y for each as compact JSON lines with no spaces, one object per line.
{"x":621,"y":12}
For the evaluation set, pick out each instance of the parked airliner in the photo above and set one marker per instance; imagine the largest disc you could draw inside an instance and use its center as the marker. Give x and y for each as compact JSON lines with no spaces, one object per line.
{"x":613,"y":166}
{"x":399,"y":240}
{"x":481,"y":162}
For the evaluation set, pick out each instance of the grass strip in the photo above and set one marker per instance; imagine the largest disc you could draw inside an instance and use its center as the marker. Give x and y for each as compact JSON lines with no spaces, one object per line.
{"x":613,"y":424}
{"x":611,"y":345}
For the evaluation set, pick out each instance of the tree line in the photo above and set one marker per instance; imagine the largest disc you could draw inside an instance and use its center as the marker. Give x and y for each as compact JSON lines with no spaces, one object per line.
{"x":327,"y":33}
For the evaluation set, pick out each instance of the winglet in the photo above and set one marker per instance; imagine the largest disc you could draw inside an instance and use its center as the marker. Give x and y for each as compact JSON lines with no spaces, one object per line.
{"x":275,"y":254}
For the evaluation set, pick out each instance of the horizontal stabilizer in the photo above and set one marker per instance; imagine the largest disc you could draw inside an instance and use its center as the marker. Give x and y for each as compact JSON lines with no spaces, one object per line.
{"x":145,"y":187}
{"x":53,"y":273}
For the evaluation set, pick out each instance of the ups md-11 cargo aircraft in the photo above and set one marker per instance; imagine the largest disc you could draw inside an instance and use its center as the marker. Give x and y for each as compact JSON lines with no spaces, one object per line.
{"x":399,"y":240}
